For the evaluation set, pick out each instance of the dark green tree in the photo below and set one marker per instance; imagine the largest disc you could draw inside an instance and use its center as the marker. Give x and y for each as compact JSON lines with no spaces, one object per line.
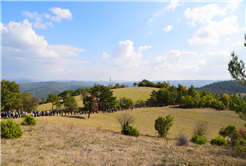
{"x":237,"y":71}
{"x":10,"y":95}
{"x":70,"y":102}
{"x":104,"y":96}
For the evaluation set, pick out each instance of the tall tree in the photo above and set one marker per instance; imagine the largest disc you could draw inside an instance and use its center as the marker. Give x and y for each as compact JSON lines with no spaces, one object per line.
{"x":10,"y":95}
{"x":26,"y":101}
{"x":70,"y":102}
{"x":53,"y":98}
{"x":237,"y":71}
{"x":90,"y":104}
{"x":104,"y":96}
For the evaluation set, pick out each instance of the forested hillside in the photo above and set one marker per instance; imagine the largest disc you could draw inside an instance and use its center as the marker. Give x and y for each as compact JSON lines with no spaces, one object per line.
{"x":43,"y":89}
{"x":228,"y":87}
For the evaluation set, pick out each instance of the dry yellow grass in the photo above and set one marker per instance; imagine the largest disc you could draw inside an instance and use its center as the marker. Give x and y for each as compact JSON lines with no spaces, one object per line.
{"x":77,"y":140}
{"x":134,"y":93}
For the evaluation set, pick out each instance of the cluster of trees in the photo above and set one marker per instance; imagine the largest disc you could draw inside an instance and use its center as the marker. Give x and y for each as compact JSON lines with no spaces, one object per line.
{"x":188,"y":98}
{"x":117,"y":85}
{"x":11,"y":98}
{"x":147,"y":83}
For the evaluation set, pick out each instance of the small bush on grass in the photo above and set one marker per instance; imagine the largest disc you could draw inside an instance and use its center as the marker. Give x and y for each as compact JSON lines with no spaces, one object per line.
{"x":125,"y":117}
{"x":240,"y":145}
{"x":29,"y":121}
{"x":230,"y":132}
{"x":129,"y":130}
{"x":198,"y":139}
{"x":219,"y":141}
{"x":10,"y":129}
{"x":182,"y":139}
{"x":163,"y":125}
{"x":201,"y":128}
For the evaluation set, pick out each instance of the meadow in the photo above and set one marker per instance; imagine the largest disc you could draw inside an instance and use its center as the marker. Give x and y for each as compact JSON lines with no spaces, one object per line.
{"x":77,"y":140}
{"x":134,"y":93}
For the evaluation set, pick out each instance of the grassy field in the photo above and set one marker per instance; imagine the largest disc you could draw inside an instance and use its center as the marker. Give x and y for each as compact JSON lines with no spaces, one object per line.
{"x":134,"y":93}
{"x":77,"y":140}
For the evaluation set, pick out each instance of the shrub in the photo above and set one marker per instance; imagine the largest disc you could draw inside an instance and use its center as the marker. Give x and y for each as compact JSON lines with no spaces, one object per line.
{"x":29,"y":121}
{"x":163,"y":125}
{"x":182,"y":139}
{"x":198,"y":139}
{"x":10,"y":129}
{"x":219,"y":141}
{"x":240,"y":145}
{"x":123,"y":118}
{"x":230,"y":132}
{"x":201,"y":128}
{"x":129,"y":130}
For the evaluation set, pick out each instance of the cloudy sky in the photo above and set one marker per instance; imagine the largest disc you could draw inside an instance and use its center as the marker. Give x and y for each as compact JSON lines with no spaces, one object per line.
{"x":125,"y":40}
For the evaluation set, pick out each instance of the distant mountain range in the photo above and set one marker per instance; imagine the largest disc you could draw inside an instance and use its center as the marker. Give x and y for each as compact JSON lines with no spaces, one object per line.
{"x":228,"y":87}
{"x":42,"y":88}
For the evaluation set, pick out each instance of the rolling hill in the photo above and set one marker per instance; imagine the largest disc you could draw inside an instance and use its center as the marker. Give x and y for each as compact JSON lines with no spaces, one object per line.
{"x":43,"y":89}
{"x":228,"y":87}
{"x":134,"y":93}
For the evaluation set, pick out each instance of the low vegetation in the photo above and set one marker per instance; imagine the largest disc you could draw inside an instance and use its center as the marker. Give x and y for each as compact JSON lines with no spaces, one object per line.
{"x":29,"y":120}
{"x":10,"y":129}
{"x":129,"y":130}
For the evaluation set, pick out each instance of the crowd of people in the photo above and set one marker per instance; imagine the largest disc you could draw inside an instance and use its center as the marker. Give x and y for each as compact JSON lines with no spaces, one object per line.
{"x":18,"y":114}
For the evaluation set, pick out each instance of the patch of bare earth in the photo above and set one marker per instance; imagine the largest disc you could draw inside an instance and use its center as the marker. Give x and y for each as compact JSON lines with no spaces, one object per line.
{"x":52,"y":144}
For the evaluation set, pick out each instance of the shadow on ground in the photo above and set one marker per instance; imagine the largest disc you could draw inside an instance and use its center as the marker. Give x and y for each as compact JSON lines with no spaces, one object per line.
{"x":75,"y":116}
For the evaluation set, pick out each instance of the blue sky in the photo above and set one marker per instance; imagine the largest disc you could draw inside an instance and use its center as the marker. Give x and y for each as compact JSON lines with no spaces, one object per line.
{"x":125,"y":40}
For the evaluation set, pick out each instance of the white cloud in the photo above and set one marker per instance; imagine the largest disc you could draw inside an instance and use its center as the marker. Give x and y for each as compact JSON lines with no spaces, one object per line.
{"x":60,"y":14}
{"x":211,"y":31}
{"x":182,"y":63}
{"x":171,"y":6}
{"x":204,"y":14}
{"x":40,"y":23}
{"x":125,"y":56}
{"x":228,"y":39}
{"x":237,"y":47}
{"x":23,"y":48}
{"x":150,"y":32}
{"x":104,"y":55}
{"x":168,"y":28}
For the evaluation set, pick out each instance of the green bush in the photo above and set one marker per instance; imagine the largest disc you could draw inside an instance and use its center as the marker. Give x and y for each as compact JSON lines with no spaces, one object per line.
{"x":129,"y":130}
{"x":230,"y":132}
{"x":240,"y":145}
{"x":219,"y":141}
{"x":29,"y":121}
{"x":198,"y":139}
{"x":10,"y":129}
{"x":163,"y":125}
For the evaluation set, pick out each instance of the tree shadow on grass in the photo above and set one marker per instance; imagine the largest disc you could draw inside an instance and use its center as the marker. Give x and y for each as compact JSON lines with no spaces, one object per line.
{"x":76,"y":117}
{"x":227,"y":151}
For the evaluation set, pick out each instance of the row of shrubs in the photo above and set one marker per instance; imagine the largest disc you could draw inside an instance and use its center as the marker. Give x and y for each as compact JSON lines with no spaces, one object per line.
{"x":235,"y":138}
{"x":11,"y":129}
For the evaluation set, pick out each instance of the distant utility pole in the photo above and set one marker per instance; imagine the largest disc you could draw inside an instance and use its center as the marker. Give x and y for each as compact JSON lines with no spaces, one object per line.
{"x":110,"y":82}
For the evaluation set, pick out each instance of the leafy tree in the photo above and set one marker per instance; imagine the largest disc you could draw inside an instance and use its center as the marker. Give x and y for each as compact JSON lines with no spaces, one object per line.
{"x":237,"y":71}
{"x":70,"y":102}
{"x":225,"y":99}
{"x":135,"y":84}
{"x":238,"y":105}
{"x":122,"y":86}
{"x":26,"y":101}
{"x":104,"y":96}
{"x":10,"y":95}
{"x":34,"y":103}
{"x":53,"y":98}
{"x":66,"y":92}
{"x":163,"y":125}
{"x":128,"y":102}
{"x":140,"y":102}
{"x":111,"y":86}
{"x":192,"y":91}
{"x":90,"y":104}
{"x":117,"y":85}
